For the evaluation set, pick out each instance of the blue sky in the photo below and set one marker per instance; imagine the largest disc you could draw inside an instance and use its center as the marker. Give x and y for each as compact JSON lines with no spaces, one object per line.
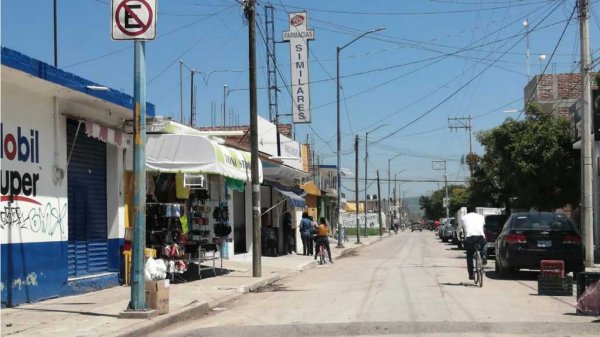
{"x":435,"y":59}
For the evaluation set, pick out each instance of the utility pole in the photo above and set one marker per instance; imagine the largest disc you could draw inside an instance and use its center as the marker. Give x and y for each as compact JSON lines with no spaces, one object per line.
{"x":192,"y":99}
{"x":464,"y":123}
{"x":55,"y":37}
{"x":440,"y":165}
{"x":379,"y":205}
{"x":181,"y":91}
{"x":526,"y":24}
{"x":587,"y":215}
{"x":356,"y":187}
{"x":225,"y":93}
{"x":366,"y":168}
{"x":271,"y":63}
{"x":249,"y":11}
{"x":138,"y":299}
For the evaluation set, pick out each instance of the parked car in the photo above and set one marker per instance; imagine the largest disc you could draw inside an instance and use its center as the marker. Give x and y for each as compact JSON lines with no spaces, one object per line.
{"x":528,"y":238}
{"x":416,"y":226}
{"x":448,"y":229}
{"x":493,"y":226}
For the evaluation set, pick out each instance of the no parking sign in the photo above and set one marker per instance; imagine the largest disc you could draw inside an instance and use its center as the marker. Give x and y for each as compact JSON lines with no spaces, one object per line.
{"x":133,"y":19}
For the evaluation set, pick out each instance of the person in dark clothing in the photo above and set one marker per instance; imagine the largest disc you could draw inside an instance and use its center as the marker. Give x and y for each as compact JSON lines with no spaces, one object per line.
{"x":271,"y":237}
{"x":304,"y":228}
{"x":288,"y":232}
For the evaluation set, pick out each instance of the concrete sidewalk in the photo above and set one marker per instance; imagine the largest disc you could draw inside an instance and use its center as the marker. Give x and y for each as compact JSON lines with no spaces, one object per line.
{"x":96,"y":313}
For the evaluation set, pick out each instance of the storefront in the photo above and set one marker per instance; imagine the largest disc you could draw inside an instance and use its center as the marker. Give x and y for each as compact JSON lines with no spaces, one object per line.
{"x":196,"y":198}
{"x":62,"y":181}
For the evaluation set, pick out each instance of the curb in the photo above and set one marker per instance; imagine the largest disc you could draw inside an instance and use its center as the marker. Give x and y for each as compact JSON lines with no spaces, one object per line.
{"x":196,"y":309}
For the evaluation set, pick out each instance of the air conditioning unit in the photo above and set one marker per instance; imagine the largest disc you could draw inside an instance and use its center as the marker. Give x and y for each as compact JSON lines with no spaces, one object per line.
{"x":194,"y":181}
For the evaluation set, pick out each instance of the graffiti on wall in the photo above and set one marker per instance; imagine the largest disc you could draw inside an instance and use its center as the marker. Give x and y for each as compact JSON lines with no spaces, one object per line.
{"x":48,"y":219}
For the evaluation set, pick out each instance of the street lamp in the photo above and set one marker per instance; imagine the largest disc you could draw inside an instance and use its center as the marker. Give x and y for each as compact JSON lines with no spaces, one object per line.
{"x":367,"y":166}
{"x":389,"y":186}
{"x":339,"y":134}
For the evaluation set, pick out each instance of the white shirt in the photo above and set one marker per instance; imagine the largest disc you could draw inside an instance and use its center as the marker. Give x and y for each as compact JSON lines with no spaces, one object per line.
{"x":473,"y":223}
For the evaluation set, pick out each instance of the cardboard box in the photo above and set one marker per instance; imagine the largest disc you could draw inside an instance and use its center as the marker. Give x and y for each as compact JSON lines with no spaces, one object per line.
{"x":157,"y":295}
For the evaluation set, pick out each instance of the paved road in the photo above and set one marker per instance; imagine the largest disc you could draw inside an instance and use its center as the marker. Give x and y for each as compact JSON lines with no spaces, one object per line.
{"x":409,"y":284}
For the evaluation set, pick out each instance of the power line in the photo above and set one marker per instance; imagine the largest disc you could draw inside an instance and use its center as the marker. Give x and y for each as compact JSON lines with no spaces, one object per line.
{"x":416,"y":13}
{"x":457,"y":90}
{"x":548,"y":63}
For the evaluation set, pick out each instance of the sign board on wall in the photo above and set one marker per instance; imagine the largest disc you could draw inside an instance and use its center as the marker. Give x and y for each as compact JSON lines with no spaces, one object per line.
{"x":32,"y":208}
{"x":133,"y":19}
{"x":267,"y":143}
{"x":298,"y":36}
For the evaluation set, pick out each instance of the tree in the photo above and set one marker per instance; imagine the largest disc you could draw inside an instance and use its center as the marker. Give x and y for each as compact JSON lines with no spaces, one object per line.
{"x":528,"y":163}
{"x":433,"y":207}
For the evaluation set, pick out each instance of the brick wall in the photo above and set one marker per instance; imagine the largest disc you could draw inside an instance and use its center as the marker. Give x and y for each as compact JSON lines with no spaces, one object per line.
{"x":556,"y":92}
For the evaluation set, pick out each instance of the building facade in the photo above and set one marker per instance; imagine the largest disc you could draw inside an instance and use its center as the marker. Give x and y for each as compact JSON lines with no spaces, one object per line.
{"x":62,"y":213}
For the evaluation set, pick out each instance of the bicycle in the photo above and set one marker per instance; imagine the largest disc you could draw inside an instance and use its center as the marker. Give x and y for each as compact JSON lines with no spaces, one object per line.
{"x":322,"y":254}
{"x":478,"y":274}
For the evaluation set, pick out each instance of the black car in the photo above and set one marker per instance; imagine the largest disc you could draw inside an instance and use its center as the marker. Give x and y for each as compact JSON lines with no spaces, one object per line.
{"x":528,"y":238}
{"x":493,"y":226}
{"x":416,"y":226}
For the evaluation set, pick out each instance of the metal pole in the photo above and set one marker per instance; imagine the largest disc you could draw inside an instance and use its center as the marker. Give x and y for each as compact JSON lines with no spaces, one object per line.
{"x":586,"y":137}
{"x":389,"y":182}
{"x":366,"y":168}
{"x":526,"y":23}
{"x":256,"y":240}
{"x":192,"y":99}
{"x":340,"y":243}
{"x":55,"y":36}
{"x":181,"y":91}
{"x":446,"y":187}
{"x":225,"y":88}
{"x":138,"y":299}
{"x":356,"y":187}
{"x":379,"y":205}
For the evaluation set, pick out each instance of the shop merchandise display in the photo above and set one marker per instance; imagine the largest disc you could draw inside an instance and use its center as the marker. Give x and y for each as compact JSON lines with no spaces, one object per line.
{"x":164,"y":233}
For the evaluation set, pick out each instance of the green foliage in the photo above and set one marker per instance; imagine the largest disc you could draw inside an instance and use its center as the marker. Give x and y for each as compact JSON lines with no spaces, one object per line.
{"x":528,"y":163}
{"x":351,"y":231}
{"x":432,"y":206}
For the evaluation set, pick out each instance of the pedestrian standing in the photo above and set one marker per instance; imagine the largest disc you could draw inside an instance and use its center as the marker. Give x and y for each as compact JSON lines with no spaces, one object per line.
{"x":304,"y":227}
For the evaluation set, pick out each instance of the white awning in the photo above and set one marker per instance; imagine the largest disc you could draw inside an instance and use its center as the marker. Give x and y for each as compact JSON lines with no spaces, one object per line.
{"x":196,"y":154}
{"x":284,"y":174}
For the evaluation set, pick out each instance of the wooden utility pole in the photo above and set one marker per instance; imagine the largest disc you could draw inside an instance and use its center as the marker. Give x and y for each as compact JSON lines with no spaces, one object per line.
{"x":379,"y":205}
{"x":249,"y":11}
{"x":587,"y":201}
{"x":356,"y":187}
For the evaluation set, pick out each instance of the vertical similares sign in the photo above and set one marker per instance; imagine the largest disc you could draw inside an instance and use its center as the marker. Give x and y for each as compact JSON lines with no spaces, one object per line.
{"x":298,"y":36}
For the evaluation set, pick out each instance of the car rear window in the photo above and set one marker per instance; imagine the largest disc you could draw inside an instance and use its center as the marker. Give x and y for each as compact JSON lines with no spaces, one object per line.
{"x":495,"y":221}
{"x":543,"y":221}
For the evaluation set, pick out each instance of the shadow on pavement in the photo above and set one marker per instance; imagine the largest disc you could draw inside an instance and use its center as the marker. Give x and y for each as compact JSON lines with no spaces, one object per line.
{"x":461,"y":284}
{"x":528,"y":275}
{"x":70,"y":312}
{"x":192,"y":273}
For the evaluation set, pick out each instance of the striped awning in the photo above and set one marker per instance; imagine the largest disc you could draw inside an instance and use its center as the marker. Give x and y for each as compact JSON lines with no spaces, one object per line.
{"x":107,"y":135}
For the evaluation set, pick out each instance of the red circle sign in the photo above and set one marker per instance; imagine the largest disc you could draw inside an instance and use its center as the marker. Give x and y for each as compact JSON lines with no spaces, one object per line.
{"x":143,"y":27}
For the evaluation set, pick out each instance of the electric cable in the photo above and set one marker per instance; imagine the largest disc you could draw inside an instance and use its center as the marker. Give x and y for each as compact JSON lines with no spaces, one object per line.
{"x":548,"y":63}
{"x":456,"y":91}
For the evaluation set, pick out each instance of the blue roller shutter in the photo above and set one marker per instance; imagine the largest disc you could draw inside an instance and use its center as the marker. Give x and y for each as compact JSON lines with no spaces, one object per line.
{"x":87,"y":246}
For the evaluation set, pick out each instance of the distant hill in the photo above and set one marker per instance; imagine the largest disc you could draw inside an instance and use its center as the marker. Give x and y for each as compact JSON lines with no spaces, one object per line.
{"x":413,"y":207}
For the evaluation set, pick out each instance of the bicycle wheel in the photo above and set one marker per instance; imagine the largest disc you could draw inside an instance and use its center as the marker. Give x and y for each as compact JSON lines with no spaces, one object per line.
{"x":478,"y":269}
{"x":321,"y":255}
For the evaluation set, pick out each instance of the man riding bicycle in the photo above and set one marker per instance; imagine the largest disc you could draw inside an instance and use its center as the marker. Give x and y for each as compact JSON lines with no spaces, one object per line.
{"x":323,"y":238}
{"x":473,"y":224}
